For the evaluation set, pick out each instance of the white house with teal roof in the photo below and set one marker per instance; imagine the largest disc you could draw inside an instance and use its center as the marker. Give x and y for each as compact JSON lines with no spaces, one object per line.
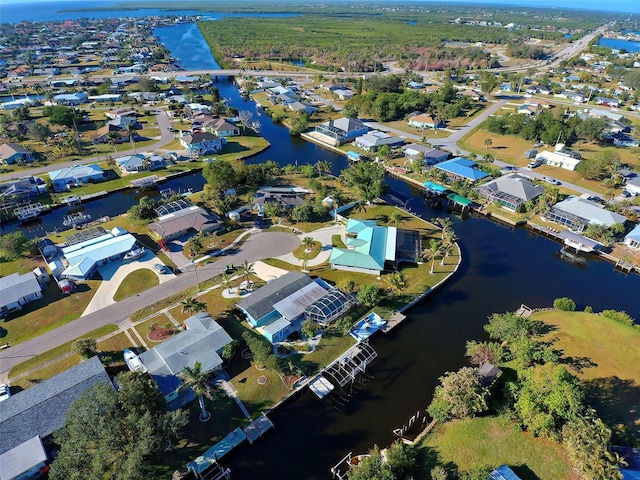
{"x":369,"y":246}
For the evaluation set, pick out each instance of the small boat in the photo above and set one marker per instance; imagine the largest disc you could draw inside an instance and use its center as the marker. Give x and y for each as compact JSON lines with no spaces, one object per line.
{"x":28,"y":212}
{"x":133,"y":361}
{"x":75,"y":219}
{"x":135,"y":253}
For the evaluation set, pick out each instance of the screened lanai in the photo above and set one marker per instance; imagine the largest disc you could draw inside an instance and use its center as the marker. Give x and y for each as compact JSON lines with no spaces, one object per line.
{"x":329,"y":307}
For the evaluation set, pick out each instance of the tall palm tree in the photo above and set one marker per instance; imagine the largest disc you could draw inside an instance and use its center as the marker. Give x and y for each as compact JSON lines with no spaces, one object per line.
{"x":429,"y":255}
{"x":361,"y":207}
{"x":308,"y":242}
{"x":191,"y":305}
{"x":396,"y":218}
{"x":132,"y":133}
{"x":322,"y":167}
{"x":246,"y":269}
{"x":112,"y":138}
{"x":226,"y":281}
{"x":397,"y":282}
{"x":446,"y":249}
{"x":197,"y":380}
{"x":487,"y":143}
{"x":444,"y":223}
{"x":305,"y":261}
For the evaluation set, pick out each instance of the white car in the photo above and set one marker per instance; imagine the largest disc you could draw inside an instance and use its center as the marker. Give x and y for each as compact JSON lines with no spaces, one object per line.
{"x":5,"y":392}
{"x":550,"y":180}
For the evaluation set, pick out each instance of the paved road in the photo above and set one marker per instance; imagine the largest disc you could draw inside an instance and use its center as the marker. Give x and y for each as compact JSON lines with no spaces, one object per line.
{"x":166,"y":136}
{"x":259,"y":245}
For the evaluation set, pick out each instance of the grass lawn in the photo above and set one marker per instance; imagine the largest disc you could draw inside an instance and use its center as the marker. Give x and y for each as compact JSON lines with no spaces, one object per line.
{"x":494,"y":441}
{"x":605,"y":355}
{"x":143,"y":328}
{"x":111,"y":349}
{"x":20,"y":265}
{"x":510,"y":149}
{"x":313,"y":253}
{"x":52,"y":311}
{"x":46,"y":372}
{"x":428,"y":133}
{"x":136,"y":282}
{"x":60,"y":350}
{"x":336,"y":241}
{"x":333,"y":343}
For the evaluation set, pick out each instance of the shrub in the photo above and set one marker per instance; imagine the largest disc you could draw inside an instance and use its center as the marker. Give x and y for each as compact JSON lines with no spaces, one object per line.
{"x":85,"y":347}
{"x":620,"y":317}
{"x":588,"y":309}
{"x":565,"y":304}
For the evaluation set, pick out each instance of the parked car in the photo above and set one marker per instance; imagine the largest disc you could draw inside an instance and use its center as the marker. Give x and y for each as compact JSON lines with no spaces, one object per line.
{"x":530,"y":153}
{"x":534,"y":164}
{"x":538,"y":145}
{"x":258,"y":222}
{"x":626,"y":194}
{"x":5,"y":392}
{"x":160,"y":268}
{"x":550,"y":180}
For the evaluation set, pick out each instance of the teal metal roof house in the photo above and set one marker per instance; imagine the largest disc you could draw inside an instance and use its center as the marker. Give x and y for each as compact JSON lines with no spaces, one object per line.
{"x":462,"y":168}
{"x":369,"y":246}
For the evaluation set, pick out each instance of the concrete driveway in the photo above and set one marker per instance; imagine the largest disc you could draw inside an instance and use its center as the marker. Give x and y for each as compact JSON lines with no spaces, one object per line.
{"x":113,"y":273}
{"x":322,"y":235}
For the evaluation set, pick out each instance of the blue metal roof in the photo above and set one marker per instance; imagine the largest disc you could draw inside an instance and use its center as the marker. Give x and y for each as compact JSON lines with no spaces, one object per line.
{"x":503,"y":473}
{"x":435,"y":187}
{"x":462,"y":168}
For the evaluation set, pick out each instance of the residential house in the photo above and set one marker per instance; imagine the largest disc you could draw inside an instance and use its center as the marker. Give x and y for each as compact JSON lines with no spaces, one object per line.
{"x":375,"y":139}
{"x":633,"y":185}
{"x":18,"y":290}
{"x":301,"y":107}
{"x":558,"y":159}
{"x":74,"y":176}
{"x":461,"y":168}
{"x":202,"y":341}
{"x":11,"y":153}
{"x":278,"y":309}
{"x":503,"y":473}
{"x":221,"y":127}
{"x":181,"y":218}
{"x":632,"y":239}
{"x":569,"y":95}
{"x":415,"y":85}
{"x":85,"y":257}
{"x":343,"y":93}
{"x":139,"y":162}
{"x":102,"y":134}
{"x":123,"y":123}
{"x":425,"y":121}
{"x":511,"y":191}
{"x":106,"y":97}
{"x":198,"y":109}
{"x":428,"y":155}
{"x":20,"y":189}
{"x":120,"y":112}
{"x":71,"y":99}
{"x":286,"y":198}
{"x":372,"y":248}
{"x":28,"y":419}
{"x":342,"y":130}
{"x":624,"y":140}
{"x":608,"y":102}
{"x":202,"y":143}
{"x":577,"y":213}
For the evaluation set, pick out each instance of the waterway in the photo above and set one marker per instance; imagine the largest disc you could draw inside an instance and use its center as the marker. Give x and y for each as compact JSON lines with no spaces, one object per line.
{"x":502,"y":268}
{"x":628,"y":45}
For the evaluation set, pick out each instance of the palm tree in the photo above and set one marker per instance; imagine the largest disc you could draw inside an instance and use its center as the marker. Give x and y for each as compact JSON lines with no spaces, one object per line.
{"x":322,"y":167}
{"x":446,"y":249}
{"x":429,"y":255}
{"x":444,"y":223}
{"x":305,"y":260}
{"x":361,"y":207}
{"x":226,"y":280}
{"x":397,"y":282}
{"x":146,"y":163}
{"x":191,"y":305}
{"x":112,"y":138}
{"x":132,"y":133}
{"x":246,"y":269}
{"x":487,"y":143}
{"x":308,"y":243}
{"x":197,"y":380}
{"x":396,"y":218}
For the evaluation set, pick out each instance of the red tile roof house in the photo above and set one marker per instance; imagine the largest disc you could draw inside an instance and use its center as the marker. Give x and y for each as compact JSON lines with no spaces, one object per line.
{"x":11,"y":153}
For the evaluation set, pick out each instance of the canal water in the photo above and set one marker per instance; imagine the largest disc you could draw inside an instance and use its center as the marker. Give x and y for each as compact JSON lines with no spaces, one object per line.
{"x":501,"y":269}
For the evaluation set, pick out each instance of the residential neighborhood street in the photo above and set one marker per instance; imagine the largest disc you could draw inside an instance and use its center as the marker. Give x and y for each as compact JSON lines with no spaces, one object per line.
{"x":257,"y":246}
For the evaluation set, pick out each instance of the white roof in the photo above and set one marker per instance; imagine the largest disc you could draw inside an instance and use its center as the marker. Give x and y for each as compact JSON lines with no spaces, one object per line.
{"x":556,"y":157}
{"x":295,"y":304}
{"x":590,"y":211}
{"x":390,"y":246}
{"x":22,"y":458}
{"x":16,"y":286}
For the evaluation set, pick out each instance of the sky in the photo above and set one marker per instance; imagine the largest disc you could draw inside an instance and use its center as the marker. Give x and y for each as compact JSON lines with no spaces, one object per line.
{"x":622,"y":6}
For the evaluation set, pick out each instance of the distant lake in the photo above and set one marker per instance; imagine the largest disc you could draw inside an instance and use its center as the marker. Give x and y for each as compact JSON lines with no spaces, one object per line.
{"x":628,"y":45}
{"x":49,"y":11}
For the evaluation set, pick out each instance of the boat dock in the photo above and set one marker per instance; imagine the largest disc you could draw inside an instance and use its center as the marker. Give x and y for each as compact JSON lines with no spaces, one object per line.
{"x":257,"y":428}
{"x":92,"y":196}
{"x":396,"y":319}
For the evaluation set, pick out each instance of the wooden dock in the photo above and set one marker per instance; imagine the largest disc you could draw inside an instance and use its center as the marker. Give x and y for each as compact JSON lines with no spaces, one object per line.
{"x":92,"y":196}
{"x":257,"y":428}
{"x":396,"y":319}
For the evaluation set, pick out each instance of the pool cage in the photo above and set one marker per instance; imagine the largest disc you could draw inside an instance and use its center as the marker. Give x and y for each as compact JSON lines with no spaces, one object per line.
{"x":508,"y":201}
{"x":328,"y":308}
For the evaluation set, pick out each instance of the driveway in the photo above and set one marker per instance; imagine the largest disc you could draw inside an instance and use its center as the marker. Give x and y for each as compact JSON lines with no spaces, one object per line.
{"x":113,"y":273}
{"x":322,"y":235}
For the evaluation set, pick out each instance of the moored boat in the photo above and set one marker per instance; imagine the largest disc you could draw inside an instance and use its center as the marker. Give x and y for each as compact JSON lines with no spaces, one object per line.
{"x":132,"y":361}
{"x":135,"y":254}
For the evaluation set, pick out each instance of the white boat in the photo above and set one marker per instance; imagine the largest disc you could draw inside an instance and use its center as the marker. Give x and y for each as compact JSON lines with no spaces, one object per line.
{"x":133,"y":361}
{"x":28,"y":212}
{"x":74,"y":219}
{"x":135,"y":253}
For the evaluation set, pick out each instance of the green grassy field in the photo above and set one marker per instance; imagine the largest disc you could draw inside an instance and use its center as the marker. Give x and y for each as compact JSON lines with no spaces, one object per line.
{"x":605,"y":355}
{"x":136,"y":282}
{"x":493,"y":441}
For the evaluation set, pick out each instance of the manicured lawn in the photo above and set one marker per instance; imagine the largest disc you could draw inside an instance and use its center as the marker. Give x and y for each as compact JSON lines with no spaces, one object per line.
{"x":46,"y":372}
{"x":143,"y":328}
{"x":111,"y":349}
{"x":333,"y":344}
{"x":336,"y":241}
{"x":605,"y":355}
{"x":52,"y":311}
{"x":20,"y":265}
{"x":429,"y":133}
{"x":510,"y":149}
{"x":60,"y":350}
{"x":313,"y":253}
{"x":494,"y":441}
{"x":136,"y":282}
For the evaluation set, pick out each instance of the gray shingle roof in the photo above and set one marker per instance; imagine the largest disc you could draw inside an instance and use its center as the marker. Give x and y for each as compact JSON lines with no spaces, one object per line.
{"x":261,"y":302}
{"x":41,"y":409}
{"x":516,"y":185}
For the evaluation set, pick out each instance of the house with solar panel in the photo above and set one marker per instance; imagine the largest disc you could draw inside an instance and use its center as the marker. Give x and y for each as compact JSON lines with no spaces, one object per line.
{"x":279,"y":308}
{"x":462,"y":169}
{"x":373,"y":248}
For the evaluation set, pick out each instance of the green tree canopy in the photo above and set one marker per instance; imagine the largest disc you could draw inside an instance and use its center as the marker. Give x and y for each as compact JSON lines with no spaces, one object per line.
{"x":508,"y":326}
{"x":117,"y":434}
{"x":369,"y":295}
{"x":62,"y":115}
{"x":367,"y":178}
{"x":459,"y":395}
{"x":220,"y":175}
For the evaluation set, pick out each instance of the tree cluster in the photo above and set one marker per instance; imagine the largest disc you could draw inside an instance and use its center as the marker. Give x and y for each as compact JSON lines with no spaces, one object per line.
{"x":522,"y":50}
{"x":547,"y":126}
{"x":367,"y":178}
{"x":400,"y":462}
{"x":15,"y":244}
